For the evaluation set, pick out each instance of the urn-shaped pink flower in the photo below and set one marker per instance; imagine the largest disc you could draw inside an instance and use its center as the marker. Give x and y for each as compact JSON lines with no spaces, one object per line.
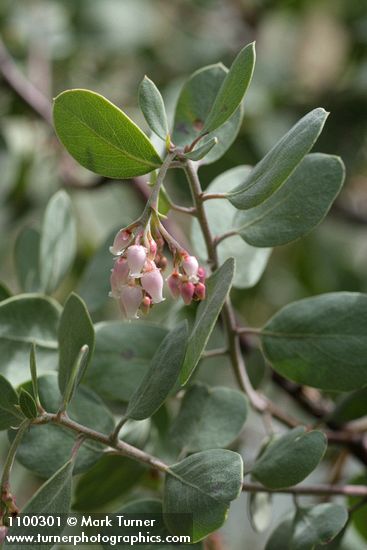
{"x":200,"y":291}
{"x":190,"y":266}
{"x":130,"y":300}
{"x":152,"y":282}
{"x":187,"y":292}
{"x":136,"y":256}
{"x":120,"y":243}
{"x":174,"y":284}
{"x":119,"y":276}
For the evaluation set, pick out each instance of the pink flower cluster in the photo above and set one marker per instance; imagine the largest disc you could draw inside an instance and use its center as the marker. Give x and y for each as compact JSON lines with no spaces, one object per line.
{"x":136,"y":278}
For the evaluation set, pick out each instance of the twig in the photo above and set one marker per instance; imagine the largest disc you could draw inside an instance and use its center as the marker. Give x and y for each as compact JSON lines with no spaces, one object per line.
{"x":224,"y":236}
{"x":210,"y":196}
{"x":214,"y":353}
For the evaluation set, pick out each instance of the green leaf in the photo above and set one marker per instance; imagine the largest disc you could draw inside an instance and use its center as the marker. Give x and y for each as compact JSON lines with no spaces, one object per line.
{"x":27,"y":404}
{"x":218,"y":287}
{"x":45,"y":448}
{"x":152,"y":509}
{"x":349,"y":407}
{"x":53,"y":497}
{"x":33,"y":369}
{"x":233,"y":89}
{"x":317,"y":525}
{"x":122,"y":357}
{"x":152,"y":106}
{"x":4,"y":292}
{"x":250,"y":261}
{"x":203,"y":485}
{"x":358,"y":517}
{"x":94,"y":284}
{"x":112,"y":477}
{"x":202,"y":150}
{"x":194,"y":104}
{"x":279,"y":163}
{"x":162,"y":375}
{"x":297,"y":207}
{"x":76,"y":330}
{"x":309,"y":527}
{"x":24,"y":320}
{"x":101,"y":137}
{"x":58,"y":242}
{"x":320,"y":341}
{"x":260,"y":511}
{"x":290,"y":458}
{"x":9,"y":414}
{"x":209,"y":418}
{"x":26,"y":258}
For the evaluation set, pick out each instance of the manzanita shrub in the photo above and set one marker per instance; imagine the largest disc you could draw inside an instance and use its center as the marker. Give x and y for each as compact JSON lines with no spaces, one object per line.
{"x":96,"y":399}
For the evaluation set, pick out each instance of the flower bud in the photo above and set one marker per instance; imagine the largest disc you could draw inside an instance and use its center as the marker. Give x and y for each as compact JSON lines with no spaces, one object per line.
{"x":152,"y":282}
{"x":130,"y":300}
{"x":174,"y":284}
{"x":3,"y":532}
{"x":201,"y":274}
{"x":136,"y":256}
{"x":119,"y":276}
{"x":200,"y":291}
{"x":120,"y":243}
{"x":146,"y":305}
{"x":187,"y":292}
{"x":153,"y":247}
{"x":190,"y":266}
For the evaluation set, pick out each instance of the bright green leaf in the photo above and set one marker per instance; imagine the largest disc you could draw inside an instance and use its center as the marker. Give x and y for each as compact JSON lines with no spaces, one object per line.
{"x":297,"y":207}
{"x":24,"y":320}
{"x":279,"y":163}
{"x":202,"y":150}
{"x":152,"y":106}
{"x":5,"y":293}
{"x":232,"y":90}
{"x":53,"y":497}
{"x":209,"y":418}
{"x":45,"y":448}
{"x":194,"y":103}
{"x":289,"y":459}
{"x":250,"y":261}
{"x":162,"y":375}
{"x":320,"y":341}
{"x":26,"y":258}
{"x":27,"y":404}
{"x":58,"y":242}
{"x":76,"y":330}
{"x":203,"y":485}
{"x":101,"y":137}
{"x":9,"y":414}
{"x":218,"y":286}
{"x":122,"y":357}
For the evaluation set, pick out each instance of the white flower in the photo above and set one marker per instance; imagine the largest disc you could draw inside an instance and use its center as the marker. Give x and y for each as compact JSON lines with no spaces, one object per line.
{"x":130,"y":300}
{"x":152,"y":282}
{"x":190,"y":266}
{"x":136,"y":256}
{"x":121,"y":241}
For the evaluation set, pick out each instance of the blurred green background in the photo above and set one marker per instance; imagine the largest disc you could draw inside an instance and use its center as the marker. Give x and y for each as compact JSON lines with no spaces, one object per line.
{"x":309,"y":53}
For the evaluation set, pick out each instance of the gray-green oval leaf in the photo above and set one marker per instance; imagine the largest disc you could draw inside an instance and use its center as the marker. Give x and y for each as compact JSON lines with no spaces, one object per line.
{"x":76,"y":330}
{"x":202,"y":150}
{"x":297,"y":207}
{"x":152,"y":106}
{"x":194,"y":103}
{"x":278,"y":164}
{"x":101,"y":137}
{"x":162,"y":375}
{"x":58,"y":242}
{"x":24,"y":320}
{"x":320,"y":341}
{"x":9,"y":414}
{"x":53,"y":497}
{"x":218,"y":286}
{"x":233,"y":89}
{"x":209,"y":418}
{"x":27,"y":404}
{"x":203,"y":485}
{"x":290,"y":458}
{"x":26,"y":258}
